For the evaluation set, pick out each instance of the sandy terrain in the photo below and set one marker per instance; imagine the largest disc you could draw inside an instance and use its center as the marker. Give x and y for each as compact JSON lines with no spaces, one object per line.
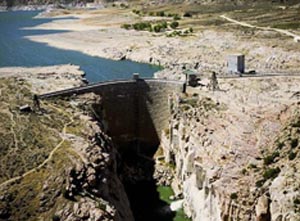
{"x":98,"y":33}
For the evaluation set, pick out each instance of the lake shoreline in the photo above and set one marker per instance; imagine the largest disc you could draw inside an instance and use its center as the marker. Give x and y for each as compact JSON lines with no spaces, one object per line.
{"x":203,"y":51}
{"x":23,"y":24}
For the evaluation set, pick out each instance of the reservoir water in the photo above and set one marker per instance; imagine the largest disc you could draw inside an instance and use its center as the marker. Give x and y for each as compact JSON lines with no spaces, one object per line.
{"x":16,"y":50}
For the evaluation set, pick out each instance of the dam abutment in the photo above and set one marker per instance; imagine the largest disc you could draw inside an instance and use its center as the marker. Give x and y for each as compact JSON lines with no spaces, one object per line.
{"x":131,"y":109}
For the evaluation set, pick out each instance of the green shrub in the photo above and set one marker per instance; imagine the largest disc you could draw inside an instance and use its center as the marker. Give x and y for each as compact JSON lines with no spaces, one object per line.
{"x":297,"y":201}
{"x":141,"y":26}
{"x":122,"y":5}
{"x":187,"y":14}
{"x":186,"y":107}
{"x":260,"y":183}
{"x":55,"y":218}
{"x":271,"y":173}
{"x":151,"y":13}
{"x":101,"y":206}
{"x":174,"y":24}
{"x":296,"y":124}
{"x":294,"y":143}
{"x":160,"y":13}
{"x":292,"y":155}
{"x":280,"y":145}
{"x":176,"y":17}
{"x":233,"y":196}
{"x":252,"y":166}
{"x":167,"y":131}
{"x":192,"y":102}
{"x":164,"y":24}
{"x":191,"y":30}
{"x":271,"y":158}
{"x":157,"y":28}
{"x":135,"y":11}
{"x":126,"y":26}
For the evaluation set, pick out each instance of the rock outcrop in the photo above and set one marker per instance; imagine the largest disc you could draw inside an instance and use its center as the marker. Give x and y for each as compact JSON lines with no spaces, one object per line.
{"x":58,"y":164}
{"x":235,"y":152}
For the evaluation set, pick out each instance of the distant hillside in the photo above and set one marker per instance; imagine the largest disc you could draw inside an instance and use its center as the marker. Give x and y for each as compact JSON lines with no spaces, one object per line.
{"x":10,"y":3}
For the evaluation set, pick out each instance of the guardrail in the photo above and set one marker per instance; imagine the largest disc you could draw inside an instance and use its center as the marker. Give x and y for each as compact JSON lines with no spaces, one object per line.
{"x":84,"y":89}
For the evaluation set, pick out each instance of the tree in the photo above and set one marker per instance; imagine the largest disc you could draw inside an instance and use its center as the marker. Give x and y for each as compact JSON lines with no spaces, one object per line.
{"x":174,"y":24}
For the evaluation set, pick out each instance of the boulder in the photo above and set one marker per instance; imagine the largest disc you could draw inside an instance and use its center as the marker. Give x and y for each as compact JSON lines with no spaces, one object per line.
{"x":262,"y":209}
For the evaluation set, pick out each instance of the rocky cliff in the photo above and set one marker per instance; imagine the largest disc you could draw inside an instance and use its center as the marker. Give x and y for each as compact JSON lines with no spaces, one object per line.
{"x":56,"y":162}
{"x":235,"y":152}
{"x":230,"y":154}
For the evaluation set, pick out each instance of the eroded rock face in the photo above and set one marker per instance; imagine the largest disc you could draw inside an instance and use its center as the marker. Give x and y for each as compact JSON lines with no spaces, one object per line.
{"x":96,"y":177}
{"x":236,"y":153}
{"x":262,"y":208}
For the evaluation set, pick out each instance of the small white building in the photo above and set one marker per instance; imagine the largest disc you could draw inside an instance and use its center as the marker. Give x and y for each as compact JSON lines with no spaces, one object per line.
{"x":236,"y":63}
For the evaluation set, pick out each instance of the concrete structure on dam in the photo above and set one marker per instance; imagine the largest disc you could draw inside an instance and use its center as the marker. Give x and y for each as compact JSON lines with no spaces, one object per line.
{"x":131,"y":110}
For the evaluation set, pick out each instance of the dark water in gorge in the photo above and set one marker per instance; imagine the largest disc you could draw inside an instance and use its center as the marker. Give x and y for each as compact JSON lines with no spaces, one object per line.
{"x":148,"y":201}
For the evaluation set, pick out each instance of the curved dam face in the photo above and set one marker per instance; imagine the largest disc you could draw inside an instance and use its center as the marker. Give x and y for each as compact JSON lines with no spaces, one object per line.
{"x":137,"y":111}
{"x":131,"y":110}
{"x":133,"y":114}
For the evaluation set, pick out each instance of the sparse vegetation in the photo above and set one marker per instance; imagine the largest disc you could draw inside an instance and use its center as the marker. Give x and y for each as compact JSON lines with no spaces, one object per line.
{"x":142,"y":26}
{"x":174,"y":24}
{"x":30,"y":138}
{"x":126,"y":26}
{"x":147,"y":26}
{"x":176,"y":17}
{"x":187,"y":14}
{"x":260,"y":183}
{"x":233,"y":196}
{"x":280,"y":145}
{"x":252,"y":166}
{"x":160,"y":13}
{"x":292,"y":155}
{"x":271,"y":173}
{"x":294,"y":143}
{"x":167,"y":131}
{"x":271,"y":158}
{"x":55,"y":218}
{"x":135,"y":11}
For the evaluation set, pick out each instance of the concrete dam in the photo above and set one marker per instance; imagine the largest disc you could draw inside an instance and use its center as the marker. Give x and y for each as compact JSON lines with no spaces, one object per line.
{"x":136,"y":109}
{"x":134,"y":113}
